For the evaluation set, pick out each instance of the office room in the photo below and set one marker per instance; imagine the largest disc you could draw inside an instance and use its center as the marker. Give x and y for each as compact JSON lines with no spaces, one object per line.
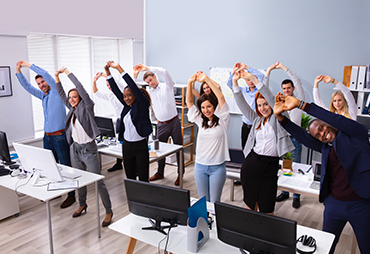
{"x":311,"y":38}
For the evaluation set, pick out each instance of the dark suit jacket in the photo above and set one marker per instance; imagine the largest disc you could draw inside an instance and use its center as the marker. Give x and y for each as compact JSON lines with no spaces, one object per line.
{"x":351,"y":146}
{"x":139,"y":109}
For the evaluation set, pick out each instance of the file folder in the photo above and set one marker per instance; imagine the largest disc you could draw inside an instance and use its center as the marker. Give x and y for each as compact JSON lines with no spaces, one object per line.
{"x":361,"y":77}
{"x":354,"y":76}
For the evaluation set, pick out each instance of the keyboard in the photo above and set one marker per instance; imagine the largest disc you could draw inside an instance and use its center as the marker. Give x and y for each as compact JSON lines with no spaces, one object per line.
{"x":102,"y":145}
{"x":315,"y":185}
{"x":70,"y":175}
{"x":63,"y":185}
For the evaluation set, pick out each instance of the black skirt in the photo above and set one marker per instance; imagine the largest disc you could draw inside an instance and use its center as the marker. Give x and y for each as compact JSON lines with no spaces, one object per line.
{"x":259,"y":180}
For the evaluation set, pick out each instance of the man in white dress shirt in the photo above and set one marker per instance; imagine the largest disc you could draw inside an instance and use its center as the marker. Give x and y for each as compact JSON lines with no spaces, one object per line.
{"x":164,"y":107}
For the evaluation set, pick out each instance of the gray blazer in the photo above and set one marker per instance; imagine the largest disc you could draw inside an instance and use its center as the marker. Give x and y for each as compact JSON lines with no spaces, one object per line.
{"x":84,"y":110}
{"x":284,"y":143}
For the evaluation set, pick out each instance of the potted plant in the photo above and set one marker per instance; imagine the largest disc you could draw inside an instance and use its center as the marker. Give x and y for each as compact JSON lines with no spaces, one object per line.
{"x":287,"y":166}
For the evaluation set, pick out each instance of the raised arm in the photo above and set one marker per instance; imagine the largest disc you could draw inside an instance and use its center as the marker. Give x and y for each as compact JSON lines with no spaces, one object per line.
{"x":60,"y":89}
{"x":189,"y":91}
{"x":241,"y":66}
{"x":162,"y":72}
{"x":25,"y":83}
{"x":140,"y":97}
{"x":299,"y":92}
{"x":316,"y":94}
{"x":201,"y":77}
{"x":352,"y":105}
{"x":97,"y":76}
{"x":195,"y":92}
{"x":244,"y":107}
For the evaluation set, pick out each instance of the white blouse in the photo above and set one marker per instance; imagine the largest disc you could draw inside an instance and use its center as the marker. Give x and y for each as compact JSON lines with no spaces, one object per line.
{"x":79,"y":134}
{"x":130,"y":133}
{"x":265,"y":141}
{"x":212,"y":146}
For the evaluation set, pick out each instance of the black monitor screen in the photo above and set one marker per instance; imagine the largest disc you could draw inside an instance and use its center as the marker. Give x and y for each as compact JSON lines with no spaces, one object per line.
{"x":158,"y":202}
{"x":254,"y":231}
{"x":105,"y":126}
{"x":4,"y":149}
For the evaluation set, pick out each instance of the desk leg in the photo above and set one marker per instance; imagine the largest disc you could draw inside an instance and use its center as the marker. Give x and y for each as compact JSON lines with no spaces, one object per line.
{"x":181,"y":167}
{"x":131,"y":246}
{"x":49,"y":226}
{"x":97,"y":208}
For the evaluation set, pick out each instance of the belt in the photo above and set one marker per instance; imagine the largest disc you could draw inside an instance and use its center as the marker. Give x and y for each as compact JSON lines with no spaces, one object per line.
{"x":248,"y":125}
{"x":55,"y":133}
{"x":169,"y":120}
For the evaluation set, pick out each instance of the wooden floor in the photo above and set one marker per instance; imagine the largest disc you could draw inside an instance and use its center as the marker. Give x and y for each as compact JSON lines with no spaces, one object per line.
{"x":28,"y":233}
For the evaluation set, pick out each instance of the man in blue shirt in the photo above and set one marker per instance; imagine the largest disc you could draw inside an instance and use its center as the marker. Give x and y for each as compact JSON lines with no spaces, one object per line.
{"x":249,"y":91}
{"x":54,"y":116}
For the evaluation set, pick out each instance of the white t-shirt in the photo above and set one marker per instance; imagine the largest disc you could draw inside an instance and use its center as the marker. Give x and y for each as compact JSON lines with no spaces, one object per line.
{"x":212,"y":146}
{"x":79,"y":134}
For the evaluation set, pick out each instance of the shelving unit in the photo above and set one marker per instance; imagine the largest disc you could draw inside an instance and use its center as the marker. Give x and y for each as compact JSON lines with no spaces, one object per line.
{"x":188,"y":139}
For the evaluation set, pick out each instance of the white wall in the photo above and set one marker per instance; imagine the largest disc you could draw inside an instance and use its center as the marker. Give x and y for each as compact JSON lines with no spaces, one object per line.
{"x":109,"y":18}
{"x":311,"y":37}
{"x":15,"y":111}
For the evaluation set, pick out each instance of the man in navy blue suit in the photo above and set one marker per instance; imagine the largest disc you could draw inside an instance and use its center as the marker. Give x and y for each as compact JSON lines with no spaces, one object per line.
{"x":345,"y":166}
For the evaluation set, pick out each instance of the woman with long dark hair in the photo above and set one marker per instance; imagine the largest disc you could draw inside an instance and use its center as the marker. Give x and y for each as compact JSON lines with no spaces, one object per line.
{"x":213,"y":119}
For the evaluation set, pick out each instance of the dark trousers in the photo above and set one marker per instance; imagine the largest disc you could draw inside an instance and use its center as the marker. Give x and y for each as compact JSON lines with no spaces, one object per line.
{"x":357,"y":213}
{"x":59,"y":146}
{"x":246,"y":128}
{"x":136,"y":159}
{"x":173,"y":130}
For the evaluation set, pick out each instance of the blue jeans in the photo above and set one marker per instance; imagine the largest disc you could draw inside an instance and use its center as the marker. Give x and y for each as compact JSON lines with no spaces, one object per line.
{"x":296,"y":156}
{"x":59,"y":146}
{"x":210,"y":180}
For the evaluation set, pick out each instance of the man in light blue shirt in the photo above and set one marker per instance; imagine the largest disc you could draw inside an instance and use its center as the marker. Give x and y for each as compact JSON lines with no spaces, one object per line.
{"x":54,"y":116}
{"x":249,"y":91}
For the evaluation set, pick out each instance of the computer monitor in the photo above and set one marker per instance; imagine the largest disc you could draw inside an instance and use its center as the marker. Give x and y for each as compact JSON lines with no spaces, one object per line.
{"x":158,"y":202}
{"x":254,"y":231}
{"x":4,"y":149}
{"x":41,"y":162}
{"x":105,"y":126}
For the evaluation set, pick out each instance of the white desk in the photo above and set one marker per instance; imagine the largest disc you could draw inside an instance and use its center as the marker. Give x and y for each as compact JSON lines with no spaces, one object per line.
{"x":41,"y":193}
{"x":131,"y":226}
{"x":165,"y":149}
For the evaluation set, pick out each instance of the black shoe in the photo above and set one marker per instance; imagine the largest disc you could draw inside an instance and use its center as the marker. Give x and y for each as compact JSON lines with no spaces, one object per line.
{"x":115,"y":167}
{"x":68,"y":202}
{"x":237,"y":182}
{"x":282,"y":196}
{"x":296,"y":203}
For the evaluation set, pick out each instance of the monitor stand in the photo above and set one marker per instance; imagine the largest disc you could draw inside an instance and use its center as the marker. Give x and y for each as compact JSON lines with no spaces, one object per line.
{"x":157,"y":226}
{"x":8,"y":163}
{"x":37,"y":180}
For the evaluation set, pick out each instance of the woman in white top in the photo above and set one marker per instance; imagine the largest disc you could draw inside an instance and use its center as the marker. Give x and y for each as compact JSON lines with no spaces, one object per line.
{"x":341,"y":102}
{"x":267,"y":142}
{"x":213,"y":119}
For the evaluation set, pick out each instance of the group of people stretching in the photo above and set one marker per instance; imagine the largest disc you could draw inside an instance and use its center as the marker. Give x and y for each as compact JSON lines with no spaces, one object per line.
{"x":271,"y":128}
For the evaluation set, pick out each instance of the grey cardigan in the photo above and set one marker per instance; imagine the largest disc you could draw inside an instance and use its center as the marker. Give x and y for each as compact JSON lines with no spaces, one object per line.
{"x":84,"y":110}
{"x":284,"y":143}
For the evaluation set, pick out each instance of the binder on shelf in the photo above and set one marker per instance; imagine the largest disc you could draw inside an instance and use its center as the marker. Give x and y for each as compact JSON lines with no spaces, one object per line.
{"x":367,"y":104}
{"x":354,"y":76}
{"x":347,"y":75}
{"x":360,"y":102}
{"x":361,"y":77}
{"x":367,"y":77}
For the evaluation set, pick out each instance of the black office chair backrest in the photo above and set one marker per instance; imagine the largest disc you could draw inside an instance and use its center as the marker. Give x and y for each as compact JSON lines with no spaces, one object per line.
{"x":236,"y":158}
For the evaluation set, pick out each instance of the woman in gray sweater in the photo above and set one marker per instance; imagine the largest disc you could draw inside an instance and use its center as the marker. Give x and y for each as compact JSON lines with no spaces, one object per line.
{"x":81,"y":131}
{"x":267,"y":142}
